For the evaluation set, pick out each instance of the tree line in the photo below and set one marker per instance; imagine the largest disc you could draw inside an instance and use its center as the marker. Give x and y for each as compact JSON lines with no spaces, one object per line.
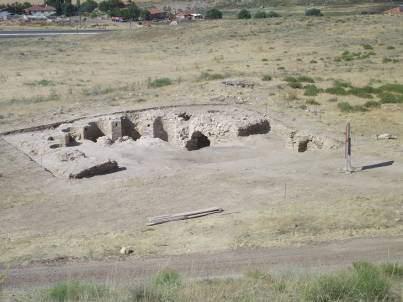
{"x":114,"y":8}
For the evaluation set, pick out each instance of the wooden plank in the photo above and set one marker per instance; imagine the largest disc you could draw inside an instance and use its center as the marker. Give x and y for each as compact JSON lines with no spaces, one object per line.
{"x":182,"y":216}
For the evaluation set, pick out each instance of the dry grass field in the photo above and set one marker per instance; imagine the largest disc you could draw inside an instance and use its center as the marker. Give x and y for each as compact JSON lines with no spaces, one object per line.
{"x":51,"y":79}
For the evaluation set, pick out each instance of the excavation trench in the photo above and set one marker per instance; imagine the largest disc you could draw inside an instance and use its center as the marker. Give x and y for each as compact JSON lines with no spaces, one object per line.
{"x":188,"y":128}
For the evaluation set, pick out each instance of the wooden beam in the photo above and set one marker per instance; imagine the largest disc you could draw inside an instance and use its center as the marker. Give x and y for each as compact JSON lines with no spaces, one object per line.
{"x":182,"y":216}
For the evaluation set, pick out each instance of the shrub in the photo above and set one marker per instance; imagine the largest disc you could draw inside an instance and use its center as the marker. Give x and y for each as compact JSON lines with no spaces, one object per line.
{"x":244,"y":14}
{"x":363,"y":92}
{"x":313,"y":12}
{"x":389,"y":98}
{"x":367,"y":46}
{"x":213,"y":14}
{"x":362,"y":283}
{"x":161,"y":82}
{"x":167,"y":278}
{"x":295,"y":85}
{"x":272,"y":14}
{"x":311,"y":102}
{"x":260,"y":15}
{"x":312,"y":90}
{"x":206,"y":76}
{"x":397,"y":88}
{"x":392,"y":269}
{"x":290,"y":79}
{"x":347,"y":108}
{"x":74,"y":291}
{"x":305,"y":79}
{"x":372,"y":104}
{"x":266,"y":77}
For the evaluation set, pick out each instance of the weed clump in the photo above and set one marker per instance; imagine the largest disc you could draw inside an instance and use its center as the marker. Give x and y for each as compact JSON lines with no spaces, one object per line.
{"x":364,"y":282}
{"x":392,"y":269}
{"x":206,"y":76}
{"x":76,"y":291}
{"x":312,"y":90}
{"x":346,"y":107}
{"x":350,"y":56}
{"x":267,"y":77}
{"x":161,"y":82}
{"x":311,"y":102}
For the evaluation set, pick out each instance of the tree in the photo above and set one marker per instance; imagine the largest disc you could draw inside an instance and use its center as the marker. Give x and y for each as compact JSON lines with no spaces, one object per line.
{"x":213,"y":14}
{"x":17,"y":7}
{"x":69,"y":9}
{"x":133,"y":12}
{"x":145,"y":14}
{"x":88,"y":6}
{"x":108,"y":5}
{"x":244,"y":14}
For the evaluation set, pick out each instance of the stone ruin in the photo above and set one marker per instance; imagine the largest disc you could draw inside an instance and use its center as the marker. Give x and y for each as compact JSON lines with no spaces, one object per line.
{"x":77,"y":148}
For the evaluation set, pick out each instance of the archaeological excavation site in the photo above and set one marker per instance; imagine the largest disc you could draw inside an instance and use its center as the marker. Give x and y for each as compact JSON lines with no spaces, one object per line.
{"x":105,"y":144}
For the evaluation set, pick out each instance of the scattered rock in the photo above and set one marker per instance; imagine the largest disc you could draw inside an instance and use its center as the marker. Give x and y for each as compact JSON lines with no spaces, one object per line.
{"x":126,"y":250}
{"x":390,"y":107}
{"x":239,"y":83}
{"x":71,"y":155}
{"x":123,"y":139}
{"x":104,"y":140}
{"x":385,"y":136}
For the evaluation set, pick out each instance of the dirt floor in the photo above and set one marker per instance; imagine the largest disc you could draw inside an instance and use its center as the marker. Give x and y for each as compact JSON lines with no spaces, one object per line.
{"x":272,"y":196}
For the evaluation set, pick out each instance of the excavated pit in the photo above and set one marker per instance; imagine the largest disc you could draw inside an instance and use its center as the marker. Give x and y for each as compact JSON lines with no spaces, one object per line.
{"x":95,"y":145}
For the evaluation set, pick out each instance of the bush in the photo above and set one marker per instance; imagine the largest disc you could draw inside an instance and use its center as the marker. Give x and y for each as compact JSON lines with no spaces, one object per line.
{"x":74,"y":291}
{"x":213,"y":14}
{"x":272,"y":14}
{"x":305,"y":79}
{"x":367,"y":46}
{"x":290,"y":79}
{"x":244,"y":14}
{"x":392,"y":269}
{"x":311,"y":102}
{"x":206,"y":76}
{"x":313,"y":12}
{"x":347,"y":108}
{"x":372,"y":104}
{"x":312,"y":90}
{"x":260,"y":15}
{"x":167,"y":278}
{"x":362,"y":283}
{"x":161,"y":82}
{"x":295,"y":85}
{"x":266,"y":77}
{"x":389,"y":98}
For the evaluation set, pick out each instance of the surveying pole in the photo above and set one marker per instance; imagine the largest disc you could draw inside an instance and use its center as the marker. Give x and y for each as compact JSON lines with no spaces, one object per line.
{"x":347,"y":153}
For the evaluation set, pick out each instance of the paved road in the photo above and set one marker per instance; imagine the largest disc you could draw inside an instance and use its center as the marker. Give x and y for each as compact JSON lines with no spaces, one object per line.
{"x":323,"y":257}
{"x":43,"y":33}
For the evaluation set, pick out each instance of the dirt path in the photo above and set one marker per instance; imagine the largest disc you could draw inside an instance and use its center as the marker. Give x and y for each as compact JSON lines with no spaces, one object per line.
{"x":326,"y":256}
